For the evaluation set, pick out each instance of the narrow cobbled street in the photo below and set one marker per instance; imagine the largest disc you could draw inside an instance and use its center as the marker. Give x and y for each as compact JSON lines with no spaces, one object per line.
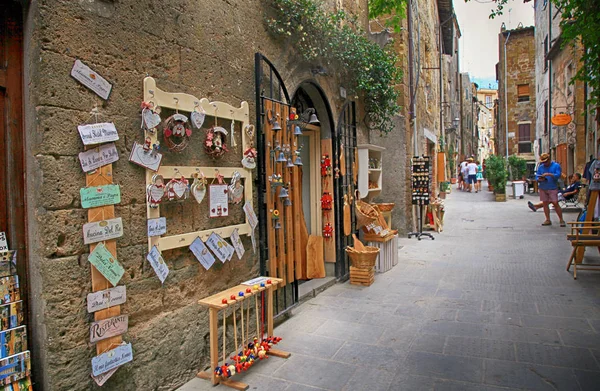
{"x":487,"y":305}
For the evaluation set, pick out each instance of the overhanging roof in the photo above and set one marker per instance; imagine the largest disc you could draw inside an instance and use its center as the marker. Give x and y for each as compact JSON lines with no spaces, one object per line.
{"x":445,"y":13}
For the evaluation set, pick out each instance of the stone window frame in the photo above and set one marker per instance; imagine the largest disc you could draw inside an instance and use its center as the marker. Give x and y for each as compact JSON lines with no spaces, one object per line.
{"x":524,"y":142}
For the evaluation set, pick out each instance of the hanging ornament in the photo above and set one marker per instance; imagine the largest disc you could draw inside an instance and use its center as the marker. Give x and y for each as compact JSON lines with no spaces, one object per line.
{"x":177,"y":189}
{"x":214,"y":143}
{"x":150,"y":117}
{"x":155,"y":192}
{"x":198,"y":188}
{"x":250,"y":154}
{"x":326,"y":201}
{"x":236,"y":189}
{"x":176,"y":133}
{"x":197,"y":116}
{"x":328,"y":231}
{"x":325,"y":165}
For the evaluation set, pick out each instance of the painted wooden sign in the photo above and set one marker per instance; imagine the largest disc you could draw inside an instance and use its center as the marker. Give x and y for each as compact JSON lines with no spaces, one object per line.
{"x":92,"y":197}
{"x":158,"y":264}
{"x":101,"y":132}
{"x":103,"y":377}
{"x":250,"y":215}
{"x":107,"y":328}
{"x":157,"y":227}
{"x":147,"y":158}
{"x":114,"y":358}
{"x":561,"y":119}
{"x":92,"y":80}
{"x":218,"y":247}
{"x":107,"y":298}
{"x":237,"y":243}
{"x":98,"y":157}
{"x":15,"y":368}
{"x":106,"y":264}
{"x":99,"y":231}
{"x":202,"y":254}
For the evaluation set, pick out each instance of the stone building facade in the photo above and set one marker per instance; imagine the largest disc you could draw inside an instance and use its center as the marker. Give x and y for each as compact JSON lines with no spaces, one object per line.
{"x":516,"y":92}
{"x":486,"y":98}
{"x":201,"y":48}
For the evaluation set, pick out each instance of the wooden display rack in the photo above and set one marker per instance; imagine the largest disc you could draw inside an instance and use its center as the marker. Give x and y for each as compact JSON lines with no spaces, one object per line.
{"x":214,"y":304}
{"x":188,"y":103}
{"x":364,"y":277}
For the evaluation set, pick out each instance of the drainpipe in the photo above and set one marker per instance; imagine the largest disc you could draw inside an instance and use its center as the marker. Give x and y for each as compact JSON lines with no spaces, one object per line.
{"x":506,"y":94}
{"x":549,"y":80}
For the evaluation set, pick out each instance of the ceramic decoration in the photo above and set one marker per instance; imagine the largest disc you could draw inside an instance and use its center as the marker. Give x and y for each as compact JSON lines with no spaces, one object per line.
{"x":197,"y":116}
{"x":176,"y":132}
{"x":177,"y":189}
{"x":150,"y":117}
{"x":156,"y":191}
{"x":198,"y":188}
{"x":236,"y":189}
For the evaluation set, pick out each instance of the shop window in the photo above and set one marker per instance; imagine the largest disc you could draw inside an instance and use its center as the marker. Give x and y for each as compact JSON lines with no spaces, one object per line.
{"x":524,"y":137}
{"x":523,"y":92}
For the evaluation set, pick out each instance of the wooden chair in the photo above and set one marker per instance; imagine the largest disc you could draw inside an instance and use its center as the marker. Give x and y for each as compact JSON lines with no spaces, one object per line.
{"x":583,"y":234}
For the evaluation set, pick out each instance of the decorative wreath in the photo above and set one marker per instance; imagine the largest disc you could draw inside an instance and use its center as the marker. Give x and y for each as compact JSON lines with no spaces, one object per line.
{"x":177,"y":132}
{"x":215,"y":142}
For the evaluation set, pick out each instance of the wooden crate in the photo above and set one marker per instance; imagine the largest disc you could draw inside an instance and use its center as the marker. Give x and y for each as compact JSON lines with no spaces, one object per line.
{"x":362,"y":276}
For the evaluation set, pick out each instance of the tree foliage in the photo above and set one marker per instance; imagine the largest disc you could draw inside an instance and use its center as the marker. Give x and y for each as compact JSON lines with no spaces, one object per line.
{"x":395,"y":10}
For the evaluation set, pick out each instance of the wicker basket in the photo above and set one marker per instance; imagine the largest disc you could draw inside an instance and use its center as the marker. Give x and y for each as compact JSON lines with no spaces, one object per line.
{"x":365,"y":214}
{"x":387,"y":207}
{"x":362,"y":259}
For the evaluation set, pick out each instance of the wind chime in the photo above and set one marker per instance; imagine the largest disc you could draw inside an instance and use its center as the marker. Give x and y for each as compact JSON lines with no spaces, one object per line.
{"x":252,"y":348}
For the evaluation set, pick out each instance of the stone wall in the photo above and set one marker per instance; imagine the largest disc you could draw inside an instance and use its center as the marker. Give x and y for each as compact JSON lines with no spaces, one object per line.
{"x":204,"y":48}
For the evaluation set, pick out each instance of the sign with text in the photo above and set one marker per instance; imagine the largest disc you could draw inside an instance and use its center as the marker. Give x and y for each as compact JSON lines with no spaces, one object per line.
{"x":92,"y":197}
{"x":98,"y":157}
{"x":107,"y":328}
{"x":237,"y":243}
{"x":149,"y":159}
{"x":157,"y":227}
{"x":103,"y":377}
{"x":107,"y":298}
{"x":255,"y":281}
{"x":158,"y":264}
{"x":201,"y":252}
{"x":99,"y":231}
{"x":101,"y":132}
{"x":92,"y":80}
{"x":107,"y":264}
{"x":218,"y":247}
{"x":3,"y":242}
{"x":250,"y":215}
{"x":114,"y":358}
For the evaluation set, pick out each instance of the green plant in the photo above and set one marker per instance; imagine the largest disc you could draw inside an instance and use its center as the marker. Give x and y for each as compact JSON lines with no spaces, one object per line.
{"x":517,"y":167}
{"x":394,"y":9}
{"x":451,"y":161}
{"x":334,"y":38}
{"x":497,"y":173}
{"x":444,"y":186}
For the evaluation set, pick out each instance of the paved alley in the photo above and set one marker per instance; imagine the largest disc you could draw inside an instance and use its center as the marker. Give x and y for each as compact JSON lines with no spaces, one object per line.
{"x":487,"y":305}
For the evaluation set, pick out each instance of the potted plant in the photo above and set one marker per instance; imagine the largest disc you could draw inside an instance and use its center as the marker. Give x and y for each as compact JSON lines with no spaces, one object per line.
{"x":444,"y":188}
{"x":497,"y":175}
{"x":517,"y":168}
{"x":451,"y":164}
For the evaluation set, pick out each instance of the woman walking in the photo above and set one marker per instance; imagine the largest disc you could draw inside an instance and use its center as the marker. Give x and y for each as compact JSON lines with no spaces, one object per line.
{"x":479,"y":177}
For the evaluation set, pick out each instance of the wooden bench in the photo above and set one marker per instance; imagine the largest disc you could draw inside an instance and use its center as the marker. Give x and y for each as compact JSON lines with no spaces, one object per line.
{"x":582,"y":235}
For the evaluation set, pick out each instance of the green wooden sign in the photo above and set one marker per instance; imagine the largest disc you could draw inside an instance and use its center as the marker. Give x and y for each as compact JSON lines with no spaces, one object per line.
{"x":106,"y":264}
{"x":92,"y":197}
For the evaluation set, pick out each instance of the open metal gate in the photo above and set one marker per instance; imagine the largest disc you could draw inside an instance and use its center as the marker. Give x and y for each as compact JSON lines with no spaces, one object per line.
{"x":277,"y":247}
{"x":344,"y":142}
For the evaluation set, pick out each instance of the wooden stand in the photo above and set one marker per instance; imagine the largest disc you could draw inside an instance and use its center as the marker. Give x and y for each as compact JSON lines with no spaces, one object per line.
{"x":214,"y":304}
{"x":388,"y":251}
{"x":589,"y":217}
{"x":364,"y":277}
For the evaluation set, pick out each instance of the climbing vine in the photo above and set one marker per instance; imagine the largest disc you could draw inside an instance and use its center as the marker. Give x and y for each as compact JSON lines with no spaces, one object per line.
{"x":334,"y":38}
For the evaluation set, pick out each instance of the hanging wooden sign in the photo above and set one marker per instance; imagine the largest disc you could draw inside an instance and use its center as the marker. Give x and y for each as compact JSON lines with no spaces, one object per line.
{"x":98,"y":157}
{"x":237,"y":243}
{"x":101,"y":300}
{"x":99,"y":231}
{"x":101,"y":132}
{"x":112,"y":359}
{"x":106,"y":264}
{"x":92,"y":80}
{"x":145,"y":156}
{"x":200,"y":251}
{"x":157,"y":227}
{"x":107,"y":328}
{"x":561,"y":119}
{"x":218,"y":247}
{"x":218,"y":201}
{"x":158,"y":264}
{"x":92,"y":197}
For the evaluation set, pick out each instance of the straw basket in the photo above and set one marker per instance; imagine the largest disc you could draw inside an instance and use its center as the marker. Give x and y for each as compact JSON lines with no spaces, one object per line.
{"x":363,"y":259}
{"x":386,"y":207}
{"x":365,"y":214}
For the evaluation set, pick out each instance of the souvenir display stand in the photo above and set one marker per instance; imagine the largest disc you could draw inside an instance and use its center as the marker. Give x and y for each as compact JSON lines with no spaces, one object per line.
{"x":218,"y":110}
{"x":235,"y":297}
{"x":369,"y":170}
{"x":421,"y":181}
{"x":436,"y":208}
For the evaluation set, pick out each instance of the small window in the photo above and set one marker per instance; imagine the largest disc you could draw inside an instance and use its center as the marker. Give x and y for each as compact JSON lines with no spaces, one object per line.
{"x":523,"y":92}
{"x":524,"y":137}
{"x":488,"y":101}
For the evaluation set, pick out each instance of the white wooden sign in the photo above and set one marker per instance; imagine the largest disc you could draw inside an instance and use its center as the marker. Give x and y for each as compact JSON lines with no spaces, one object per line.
{"x":114,"y":358}
{"x":237,"y":243}
{"x":255,"y":281}
{"x":3,"y":242}
{"x":157,"y":227}
{"x":202,"y":254}
{"x":99,"y":231}
{"x":158,"y":264}
{"x":107,"y":328}
{"x":98,"y":133}
{"x":146,"y":158}
{"x":98,"y":157}
{"x":91,"y":79}
{"x":107,"y":298}
{"x":250,"y":215}
{"x":218,"y":247}
{"x":218,"y":200}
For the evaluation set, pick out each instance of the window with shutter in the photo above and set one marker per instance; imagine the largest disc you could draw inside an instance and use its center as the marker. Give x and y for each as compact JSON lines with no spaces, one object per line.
{"x":524,"y":137}
{"x":523,"y":92}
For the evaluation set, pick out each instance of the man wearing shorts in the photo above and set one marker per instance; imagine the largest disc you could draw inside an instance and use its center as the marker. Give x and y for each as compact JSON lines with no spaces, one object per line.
{"x":472,"y":174}
{"x":547,"y":175}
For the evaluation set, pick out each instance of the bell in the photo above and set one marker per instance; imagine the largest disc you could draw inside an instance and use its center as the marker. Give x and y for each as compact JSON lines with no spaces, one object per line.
{"x":277,"y":225}
{"x":313,"y":119}
{"x":290,"y":164}
{"x":287,"y":202}
{"x":281,"y":158}
{"x":283,"y":193}
{"x":298,"y":130}
{"x":276,"y":125}
{"x":298,"y":161}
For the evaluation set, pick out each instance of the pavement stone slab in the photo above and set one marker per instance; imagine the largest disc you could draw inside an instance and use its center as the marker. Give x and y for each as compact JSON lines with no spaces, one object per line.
{"x":350,"y":331}
{"x":428,"y":343}
{"x":445,"y":366}
{"x":559,"y":356}
{"x":315,"y":372}
{"x":529,"y":376}
{"x":370,"y":356}
{"x":489,"y":317}
{"x":556,"y":323}
{"x":478,"y":347}
{"x":522,"y":334}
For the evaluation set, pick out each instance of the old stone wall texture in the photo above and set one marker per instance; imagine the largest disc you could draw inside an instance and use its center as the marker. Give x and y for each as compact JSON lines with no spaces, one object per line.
{"x":204,"y":48}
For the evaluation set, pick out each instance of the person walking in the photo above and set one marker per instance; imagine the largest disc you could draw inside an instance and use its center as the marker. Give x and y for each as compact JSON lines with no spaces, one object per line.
{"x":479,"y":176}
{"x":472,"y":175}
{"x":463,"y":172}
{"x":547,"y":175}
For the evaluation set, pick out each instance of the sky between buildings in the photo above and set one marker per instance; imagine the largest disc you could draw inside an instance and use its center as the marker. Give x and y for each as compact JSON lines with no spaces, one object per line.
{"x":479,"y":41}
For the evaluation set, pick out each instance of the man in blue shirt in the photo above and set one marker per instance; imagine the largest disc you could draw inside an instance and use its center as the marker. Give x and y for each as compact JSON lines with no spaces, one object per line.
{"x":547,"y":175}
